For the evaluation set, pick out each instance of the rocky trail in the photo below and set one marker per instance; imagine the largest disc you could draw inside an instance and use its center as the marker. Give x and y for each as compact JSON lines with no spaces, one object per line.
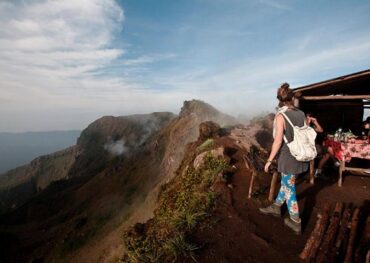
{"x":242,"y":234}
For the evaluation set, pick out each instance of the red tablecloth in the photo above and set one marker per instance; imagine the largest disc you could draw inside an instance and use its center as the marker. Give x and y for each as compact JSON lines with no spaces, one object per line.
{"x":348,"y":150}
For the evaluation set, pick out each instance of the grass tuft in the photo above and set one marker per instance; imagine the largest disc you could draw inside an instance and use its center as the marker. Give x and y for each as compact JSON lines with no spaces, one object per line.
{"x":206,"y":145}
{"x":184,"y":204}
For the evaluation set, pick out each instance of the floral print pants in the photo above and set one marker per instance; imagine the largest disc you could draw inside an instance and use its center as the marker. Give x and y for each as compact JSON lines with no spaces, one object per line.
{"x":287,"y":194}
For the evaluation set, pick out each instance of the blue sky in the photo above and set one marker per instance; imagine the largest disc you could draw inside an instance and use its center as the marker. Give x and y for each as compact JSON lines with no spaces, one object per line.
{"x":66,"y":63}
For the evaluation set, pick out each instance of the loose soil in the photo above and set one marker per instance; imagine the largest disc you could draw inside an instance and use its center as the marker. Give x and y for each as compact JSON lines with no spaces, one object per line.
{"x":242,"y":234}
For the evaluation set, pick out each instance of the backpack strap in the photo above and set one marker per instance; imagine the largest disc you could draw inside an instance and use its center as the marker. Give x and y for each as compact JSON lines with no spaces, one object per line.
{"x":291,"y":124}
{"x":286,"y":117}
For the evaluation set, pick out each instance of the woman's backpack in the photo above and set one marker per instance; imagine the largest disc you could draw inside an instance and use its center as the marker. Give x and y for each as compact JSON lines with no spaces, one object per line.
{"x":303,"y":145}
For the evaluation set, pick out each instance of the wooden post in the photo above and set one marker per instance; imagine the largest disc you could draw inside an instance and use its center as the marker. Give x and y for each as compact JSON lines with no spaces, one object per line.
{"x":312,"y":171}
{"x":309,"y":244}
{"x":251,"y":184}
{"x":342,"y":233}
{"x":319,"y":235}
{"x":273,"y":186}
{"x":313,"y":242}
{"x":363,"y":244}
{"x":246,"y":163}
{"x":328,"y":239}
{"x":352,"y":235}
{"x":248,"y":166}
{"x":341,"y":169}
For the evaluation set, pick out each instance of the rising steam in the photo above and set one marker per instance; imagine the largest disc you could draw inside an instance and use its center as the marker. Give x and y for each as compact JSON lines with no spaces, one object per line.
{"x":116,"y":147}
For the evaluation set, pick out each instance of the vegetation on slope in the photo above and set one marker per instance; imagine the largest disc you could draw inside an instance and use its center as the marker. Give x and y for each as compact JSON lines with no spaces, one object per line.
{"x":183,"y":205}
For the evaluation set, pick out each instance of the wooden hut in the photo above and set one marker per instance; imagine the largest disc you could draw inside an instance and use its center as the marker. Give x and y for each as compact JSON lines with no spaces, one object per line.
{"x":338,"y":102}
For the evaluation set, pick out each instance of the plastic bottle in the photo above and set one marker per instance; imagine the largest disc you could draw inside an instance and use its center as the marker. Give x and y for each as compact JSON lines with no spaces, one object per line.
{"x":336,"y":136}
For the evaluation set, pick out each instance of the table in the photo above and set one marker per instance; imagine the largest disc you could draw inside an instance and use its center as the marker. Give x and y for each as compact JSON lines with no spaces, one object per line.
{"x":345,"y":151}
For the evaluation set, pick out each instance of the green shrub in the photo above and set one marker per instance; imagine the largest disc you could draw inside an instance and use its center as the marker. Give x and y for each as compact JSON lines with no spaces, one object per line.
{"x":178,"y":247}
{"x":206,"y":145}
{"x":184,"y":204}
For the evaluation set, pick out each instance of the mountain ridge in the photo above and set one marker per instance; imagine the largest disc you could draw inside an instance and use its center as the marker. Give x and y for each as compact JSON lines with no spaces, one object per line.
{"x":108,"y":192}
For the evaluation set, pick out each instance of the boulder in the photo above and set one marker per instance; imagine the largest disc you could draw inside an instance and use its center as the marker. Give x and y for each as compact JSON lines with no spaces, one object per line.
{"x":208,"y":129}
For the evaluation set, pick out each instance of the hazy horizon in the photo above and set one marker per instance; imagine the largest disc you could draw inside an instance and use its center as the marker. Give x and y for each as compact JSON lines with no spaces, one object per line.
{"x":64,"y":64}
{"x":18,"y":149}
{"x":39,"y":131}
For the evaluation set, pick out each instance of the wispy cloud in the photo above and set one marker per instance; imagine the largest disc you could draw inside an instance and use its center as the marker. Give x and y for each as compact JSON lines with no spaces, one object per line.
{"x":55,"y":55}
{"x":275,"y":4}
{"x":65,"y":63}
{"x":55,"y":41}
{"x":250,"y":86}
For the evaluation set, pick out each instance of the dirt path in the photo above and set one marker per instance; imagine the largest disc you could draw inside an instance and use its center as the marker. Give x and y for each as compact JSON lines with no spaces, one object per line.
{"x":245,"y":235}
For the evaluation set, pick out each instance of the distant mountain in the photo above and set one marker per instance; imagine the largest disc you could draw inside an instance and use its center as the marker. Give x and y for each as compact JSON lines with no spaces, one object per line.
{"x":91,"y":191}
{"x":20,"y":148}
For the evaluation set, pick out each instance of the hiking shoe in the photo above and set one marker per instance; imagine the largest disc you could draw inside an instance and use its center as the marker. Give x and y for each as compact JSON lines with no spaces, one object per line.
{"x":273,"y":210}
{"x":318,"y":172}
{"x":295,"y":226}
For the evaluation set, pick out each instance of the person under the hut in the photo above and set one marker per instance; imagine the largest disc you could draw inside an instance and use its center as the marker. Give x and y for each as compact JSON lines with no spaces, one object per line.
{"x":288,"y":166}
{"x":366,"y":126}
{"x":325,"y":153}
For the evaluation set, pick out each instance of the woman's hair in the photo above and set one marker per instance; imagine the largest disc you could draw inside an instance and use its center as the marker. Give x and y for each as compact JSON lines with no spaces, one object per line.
{"x":285,"y":95}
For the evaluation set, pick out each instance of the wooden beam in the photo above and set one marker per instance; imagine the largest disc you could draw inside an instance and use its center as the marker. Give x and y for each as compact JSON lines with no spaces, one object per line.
{"x":358,"y":75}
{"x":336,"y":103}
{"x":338,"y":97}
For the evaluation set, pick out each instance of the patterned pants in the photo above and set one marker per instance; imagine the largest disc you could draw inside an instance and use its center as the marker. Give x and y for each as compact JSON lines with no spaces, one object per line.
{"x":287,"y":194}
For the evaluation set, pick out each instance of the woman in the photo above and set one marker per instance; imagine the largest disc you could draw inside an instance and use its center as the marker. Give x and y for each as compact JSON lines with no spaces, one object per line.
{"x":324,"y":152}
{"x":288,"y":166}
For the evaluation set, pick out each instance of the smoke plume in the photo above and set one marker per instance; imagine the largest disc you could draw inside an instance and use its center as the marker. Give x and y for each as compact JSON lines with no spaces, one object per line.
{"x":116,"y":147}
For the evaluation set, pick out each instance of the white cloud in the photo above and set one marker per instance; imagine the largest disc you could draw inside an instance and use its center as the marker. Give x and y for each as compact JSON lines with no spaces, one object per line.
{"x":53,"y":56}
{"x":275,"y":4}
{"x":249,"y":87}
{"x":61,"y":66}
{"x":55,"y":40}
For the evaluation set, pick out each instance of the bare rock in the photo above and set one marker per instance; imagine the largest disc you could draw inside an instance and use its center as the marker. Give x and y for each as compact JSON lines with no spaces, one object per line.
{"x":208,"y":129}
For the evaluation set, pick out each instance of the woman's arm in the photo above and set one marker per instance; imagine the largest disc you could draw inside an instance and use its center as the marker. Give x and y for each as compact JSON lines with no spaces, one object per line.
{"x":278,"y":140}
{"x":318,"y":127}
{"x":316,"y":124}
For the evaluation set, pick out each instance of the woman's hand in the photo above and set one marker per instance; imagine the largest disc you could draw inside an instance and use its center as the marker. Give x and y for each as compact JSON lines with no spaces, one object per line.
{"x":311,"y":120}
{"x":308,"y":120}
{"x":267,"y":165}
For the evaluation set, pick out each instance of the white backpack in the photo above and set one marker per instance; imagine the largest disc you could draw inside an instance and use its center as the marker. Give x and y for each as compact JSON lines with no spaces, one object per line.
{"x":303,"y":145}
